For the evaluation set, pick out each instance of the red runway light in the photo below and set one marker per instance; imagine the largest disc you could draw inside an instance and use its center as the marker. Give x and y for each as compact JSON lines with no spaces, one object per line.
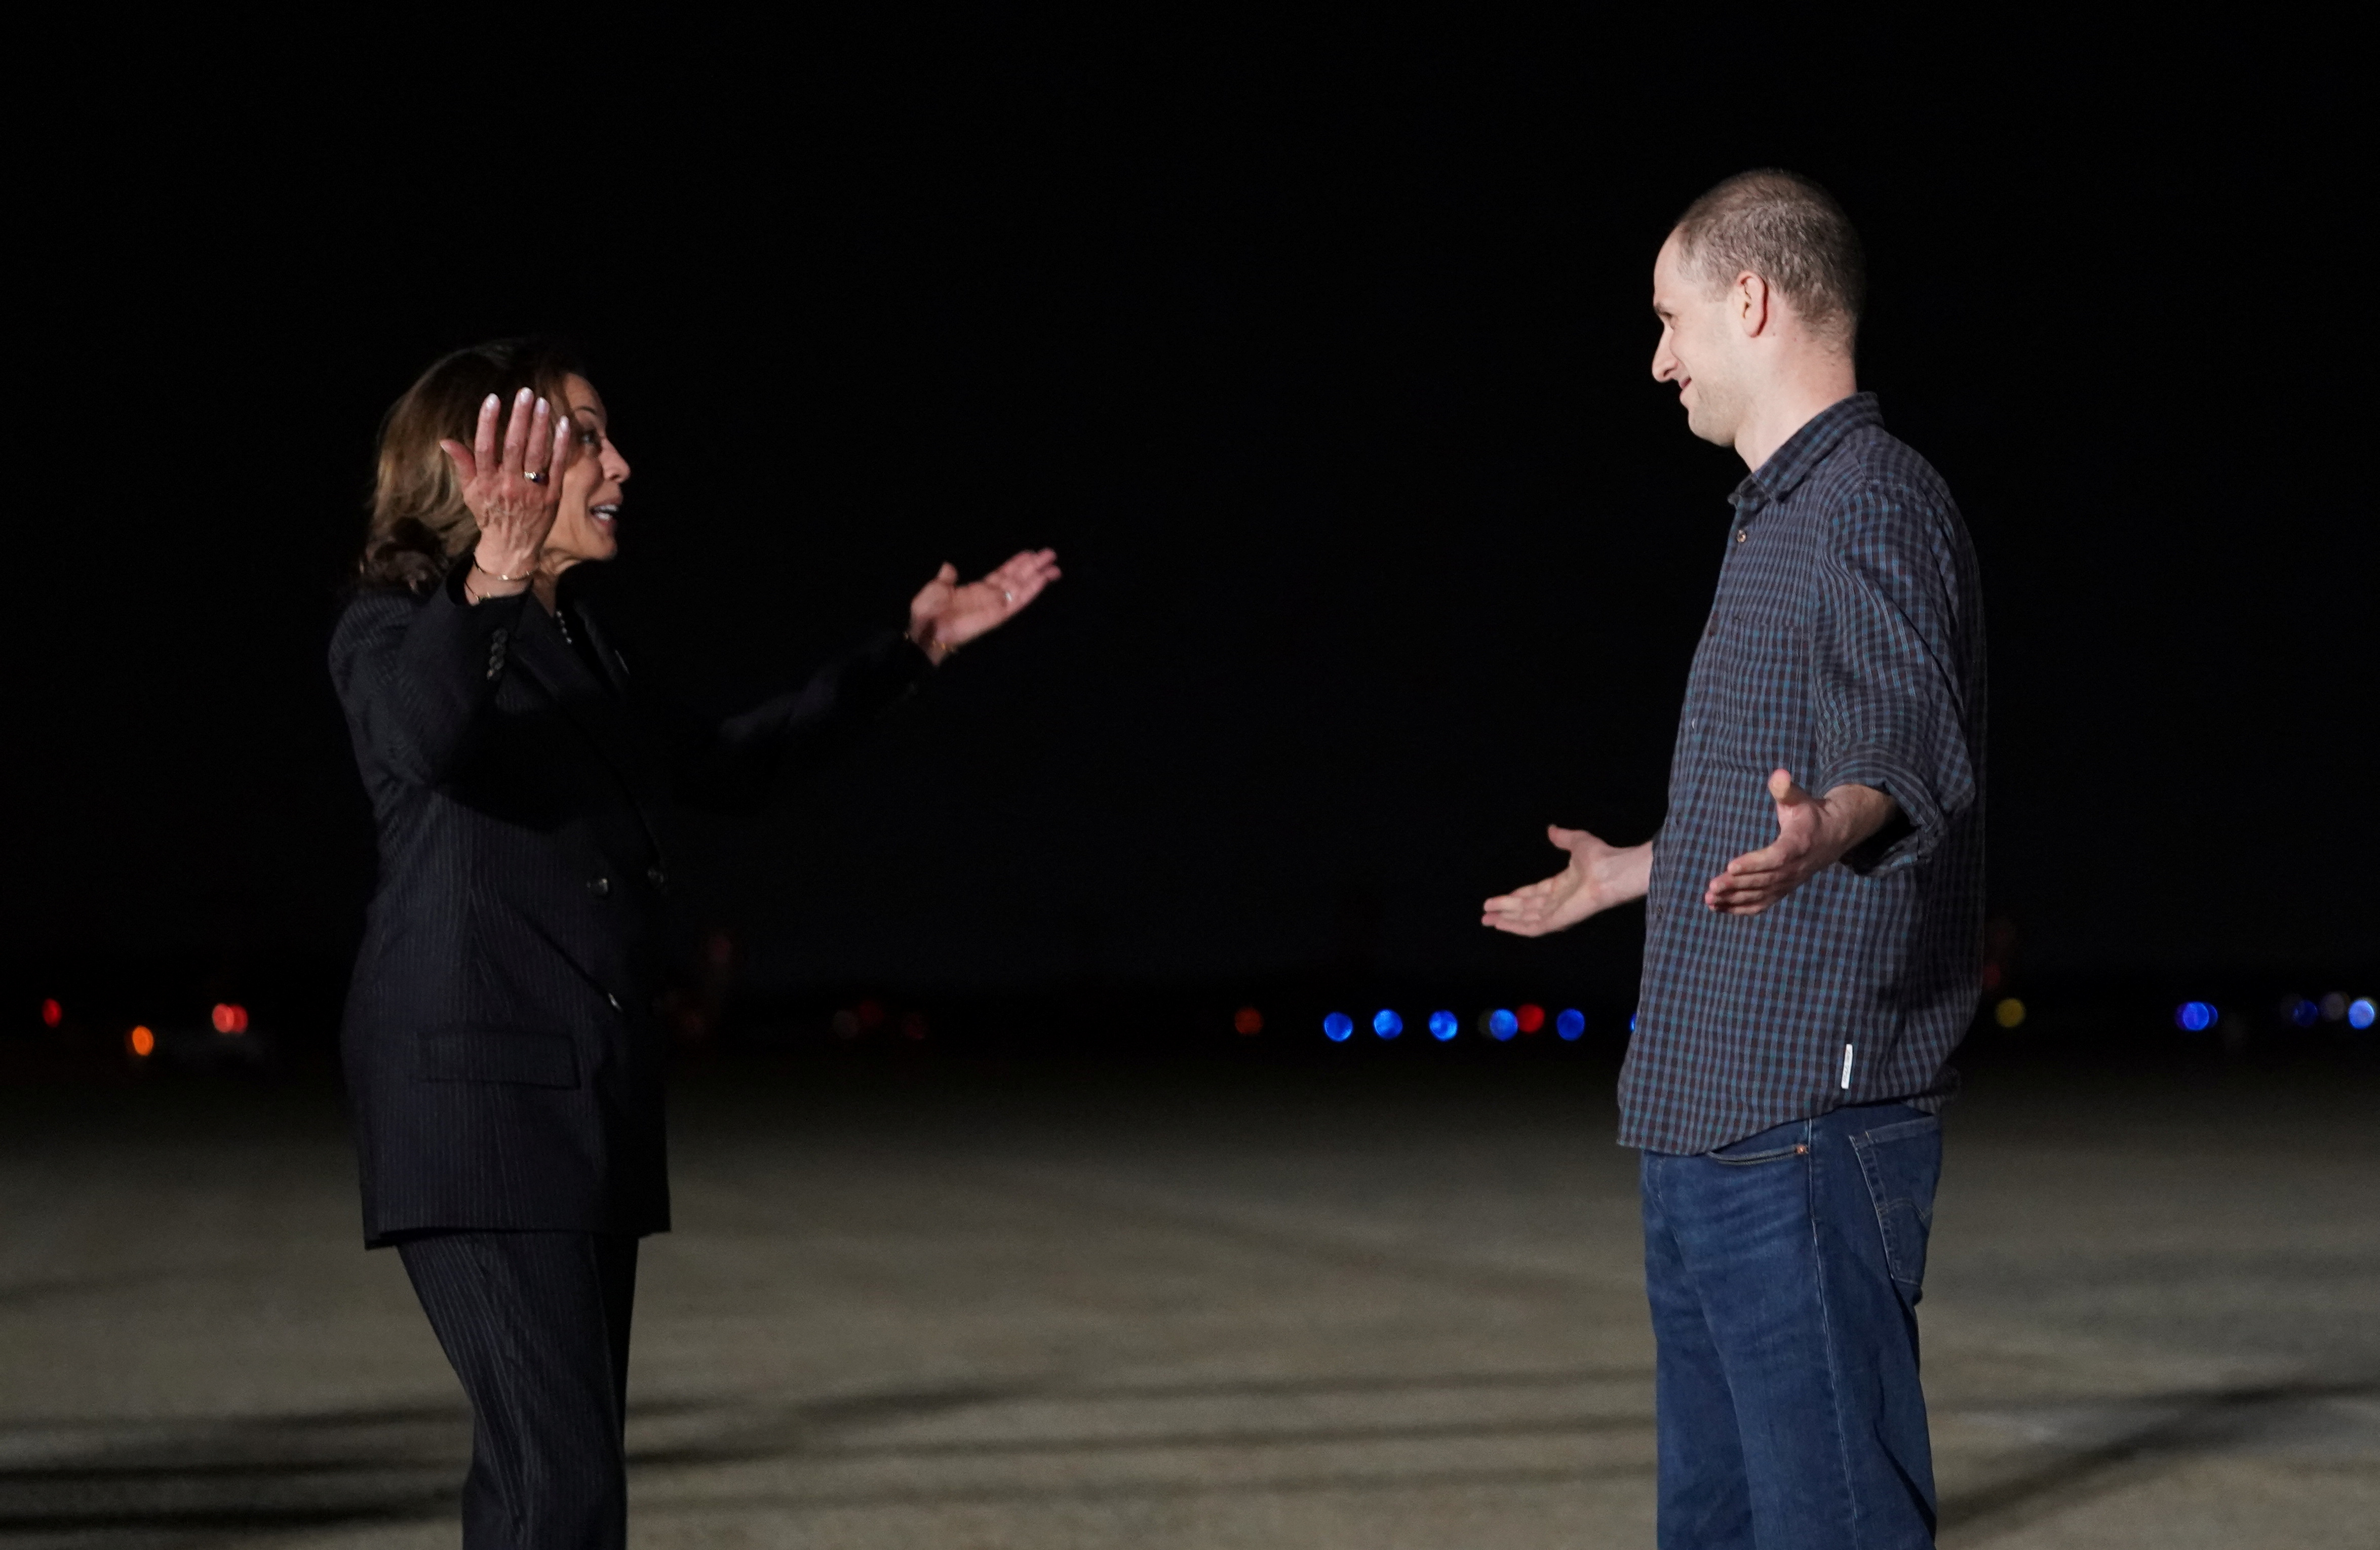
{"x":52,"y":1014}
{"x":871,"y":1014}
{"x":913,"y":1025}
{"x":1532,"y":1017}
{"x":1248,"y":1020}
{"x":141,"y":1042}
{"x":230,"y":1019}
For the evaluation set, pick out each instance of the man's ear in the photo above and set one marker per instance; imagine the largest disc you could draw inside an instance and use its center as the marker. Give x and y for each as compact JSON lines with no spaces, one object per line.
{"x":1751,"y":302}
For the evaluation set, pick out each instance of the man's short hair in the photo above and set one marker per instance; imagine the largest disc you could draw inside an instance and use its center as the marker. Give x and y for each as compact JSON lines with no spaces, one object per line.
{"x":1788,"y":231}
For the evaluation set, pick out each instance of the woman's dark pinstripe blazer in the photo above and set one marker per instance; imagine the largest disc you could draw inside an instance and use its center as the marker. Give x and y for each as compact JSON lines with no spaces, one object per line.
{"x":501,"y":1050}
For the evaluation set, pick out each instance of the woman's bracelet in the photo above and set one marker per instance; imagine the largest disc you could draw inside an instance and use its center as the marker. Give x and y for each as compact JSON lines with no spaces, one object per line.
{"x":498,"y":575}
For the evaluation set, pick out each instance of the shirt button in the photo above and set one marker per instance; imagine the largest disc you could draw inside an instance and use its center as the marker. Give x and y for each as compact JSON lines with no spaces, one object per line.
{"x":1741,"y":534}
{"x":654,"y":876}
{"x":613,"y":1000}
{"x":599,"y":886}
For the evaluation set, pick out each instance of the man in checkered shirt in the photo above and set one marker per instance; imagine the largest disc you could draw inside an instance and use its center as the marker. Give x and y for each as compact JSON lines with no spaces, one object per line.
{"x":1814,"y":908}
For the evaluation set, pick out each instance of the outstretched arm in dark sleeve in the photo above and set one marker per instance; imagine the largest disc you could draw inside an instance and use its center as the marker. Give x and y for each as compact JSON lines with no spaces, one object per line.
{"x":735,"y":761}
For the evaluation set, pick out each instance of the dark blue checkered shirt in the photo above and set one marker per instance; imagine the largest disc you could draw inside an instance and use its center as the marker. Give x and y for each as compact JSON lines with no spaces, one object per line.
{"x":1846,"y":645}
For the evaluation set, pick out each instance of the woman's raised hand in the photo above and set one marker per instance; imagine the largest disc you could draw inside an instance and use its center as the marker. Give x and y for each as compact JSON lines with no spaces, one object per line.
{"x":946,"y":615}
{"x":513,"y":493}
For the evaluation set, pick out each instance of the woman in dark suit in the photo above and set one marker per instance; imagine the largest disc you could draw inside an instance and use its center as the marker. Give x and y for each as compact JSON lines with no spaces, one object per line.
{"x":501,"y":1051}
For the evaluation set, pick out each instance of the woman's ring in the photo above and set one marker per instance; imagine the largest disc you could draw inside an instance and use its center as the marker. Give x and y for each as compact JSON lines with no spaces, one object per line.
{"x":1006,"y":595}
{"x":536,"y":476}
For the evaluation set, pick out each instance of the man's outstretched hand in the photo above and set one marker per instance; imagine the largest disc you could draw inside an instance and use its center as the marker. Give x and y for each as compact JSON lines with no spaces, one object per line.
{"x":1598,"y":877}
{"x":1813,"y":833}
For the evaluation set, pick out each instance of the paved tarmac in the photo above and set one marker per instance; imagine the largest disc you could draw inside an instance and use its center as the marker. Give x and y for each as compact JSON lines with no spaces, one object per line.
{"x":1186,"y":1307}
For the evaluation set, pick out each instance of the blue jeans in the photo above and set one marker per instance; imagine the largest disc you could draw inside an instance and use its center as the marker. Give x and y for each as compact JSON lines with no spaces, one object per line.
{"x":1784,"y":1272}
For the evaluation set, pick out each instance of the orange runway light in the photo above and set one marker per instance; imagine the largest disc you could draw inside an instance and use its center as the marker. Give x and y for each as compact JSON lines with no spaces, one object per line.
{"x":1248,"y":1020}
{"x":141,"y":1042}
{"x":52,"y":1014}
{"x":2010,"y":1013}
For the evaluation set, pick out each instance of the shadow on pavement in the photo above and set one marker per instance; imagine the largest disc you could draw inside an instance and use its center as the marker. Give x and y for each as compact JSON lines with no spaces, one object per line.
{"x":2165,"y":1429}
{"x":192,"y":1482}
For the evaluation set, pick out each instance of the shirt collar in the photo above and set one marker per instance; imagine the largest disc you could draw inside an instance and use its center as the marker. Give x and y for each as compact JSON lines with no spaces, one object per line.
{"x":1804,"y":450}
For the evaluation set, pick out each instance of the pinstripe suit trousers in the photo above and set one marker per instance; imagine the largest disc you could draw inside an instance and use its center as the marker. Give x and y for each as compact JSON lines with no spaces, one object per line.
{"x":536,"y":1325}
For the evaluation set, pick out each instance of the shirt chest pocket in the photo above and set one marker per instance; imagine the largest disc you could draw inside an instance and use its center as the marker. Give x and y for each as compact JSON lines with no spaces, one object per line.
{"x":1760,"y":694}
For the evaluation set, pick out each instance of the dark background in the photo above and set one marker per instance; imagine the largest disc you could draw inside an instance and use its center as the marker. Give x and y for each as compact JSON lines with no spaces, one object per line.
{"x":1322,"y":361}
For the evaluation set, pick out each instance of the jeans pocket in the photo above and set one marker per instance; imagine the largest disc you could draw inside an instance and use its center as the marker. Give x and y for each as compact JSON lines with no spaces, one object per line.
{"x":1789,"y":1140}
{"x":1902,"y":1163}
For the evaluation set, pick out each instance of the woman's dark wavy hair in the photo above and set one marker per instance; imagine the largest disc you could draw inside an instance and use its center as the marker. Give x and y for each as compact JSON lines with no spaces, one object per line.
{"x":419,"y":522}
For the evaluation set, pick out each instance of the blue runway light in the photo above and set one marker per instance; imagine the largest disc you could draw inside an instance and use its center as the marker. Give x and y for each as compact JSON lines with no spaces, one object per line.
{"x":1631,"y":1021}
{"x":1338,"y":1027}
{"x":2303,"y":1012}
{"x":2193,"y":1016}
{"x":1442,"y":1026}
{"x":1387,"y":1024}
{"x":1570,"y":1025}
{"x":2361,"y":1012}
{"x":1502,"y":1024}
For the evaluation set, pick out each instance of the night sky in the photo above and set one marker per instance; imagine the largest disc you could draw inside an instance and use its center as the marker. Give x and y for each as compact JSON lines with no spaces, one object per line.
{"x":1323,"y":365}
